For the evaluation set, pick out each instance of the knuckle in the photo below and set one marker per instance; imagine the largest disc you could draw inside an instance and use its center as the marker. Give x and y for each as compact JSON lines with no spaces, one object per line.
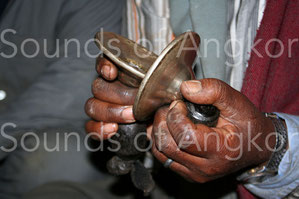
{"x":160,"y":116}
{"x":97,"y":85}
{"x":110,"y":113}
{"x":130,"y":96}
{"x":185,"y":137}
{"x":89,"y":106}
{"x":180,"y":126}
{"x":214,"y":86}
{"x":162,"y":111}
{"x":175,"y":118}
{"x":160,"y":136}
{"x":232,"y":140}
{"x":219,"y":88}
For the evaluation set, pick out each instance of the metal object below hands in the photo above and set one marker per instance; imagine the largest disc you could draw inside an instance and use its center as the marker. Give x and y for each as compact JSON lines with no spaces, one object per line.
{"x":159,"y":79}
{"x":128,"y":157}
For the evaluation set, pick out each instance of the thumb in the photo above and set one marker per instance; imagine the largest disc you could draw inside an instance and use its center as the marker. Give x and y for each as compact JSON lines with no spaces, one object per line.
{"x":216,"y":92}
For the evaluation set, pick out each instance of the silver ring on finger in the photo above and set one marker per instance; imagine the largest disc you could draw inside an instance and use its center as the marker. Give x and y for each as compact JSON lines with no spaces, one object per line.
{"x":168,"y":162}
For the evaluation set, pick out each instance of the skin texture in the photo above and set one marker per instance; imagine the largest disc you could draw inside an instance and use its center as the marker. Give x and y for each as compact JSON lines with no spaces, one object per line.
{"x":242,"y":138}
{"x":221,"y":150}
{"x":112,"y":102}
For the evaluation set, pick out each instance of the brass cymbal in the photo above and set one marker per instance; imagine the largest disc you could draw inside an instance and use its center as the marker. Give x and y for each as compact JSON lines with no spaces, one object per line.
{"x":161,"y":76}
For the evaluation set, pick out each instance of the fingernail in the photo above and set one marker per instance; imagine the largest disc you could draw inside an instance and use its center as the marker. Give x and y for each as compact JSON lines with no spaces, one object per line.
{"x":127,"y":114}
{"x":173,"y":104}
{"x":192,"y":87}
{"x":106,"y":71}
{"x":110,"y":128}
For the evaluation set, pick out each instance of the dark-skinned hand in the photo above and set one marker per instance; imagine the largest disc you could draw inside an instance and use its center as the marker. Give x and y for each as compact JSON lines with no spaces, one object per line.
{"x":112,"y":102}
{"x":201,"y":153}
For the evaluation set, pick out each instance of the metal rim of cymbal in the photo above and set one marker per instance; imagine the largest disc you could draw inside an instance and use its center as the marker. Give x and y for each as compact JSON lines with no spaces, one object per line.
{"x":137,"y":110}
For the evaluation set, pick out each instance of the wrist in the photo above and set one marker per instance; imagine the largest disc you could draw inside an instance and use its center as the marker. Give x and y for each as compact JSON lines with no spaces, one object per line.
{"x":272,"y":154}
{"x":281,"y":144}
{"x":269,"y":139}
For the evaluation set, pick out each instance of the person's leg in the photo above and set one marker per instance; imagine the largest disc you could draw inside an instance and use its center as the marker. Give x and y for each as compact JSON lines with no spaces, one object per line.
{"x":59,"y":156}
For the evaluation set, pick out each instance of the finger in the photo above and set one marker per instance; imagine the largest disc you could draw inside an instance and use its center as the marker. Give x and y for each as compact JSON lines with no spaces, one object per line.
{"x":176,"y":167}
{"x":149,"y":131}
{"x":198,"y":139}
{"x":188,"y":136}
{"x":218,"y":93}
{"x":106,"y":68}
{"x":113,"y":92}
{"x":181,"y":169}
{"x":165,"y":144}
{"x":107,"y":112}
{"x":101,"y":130}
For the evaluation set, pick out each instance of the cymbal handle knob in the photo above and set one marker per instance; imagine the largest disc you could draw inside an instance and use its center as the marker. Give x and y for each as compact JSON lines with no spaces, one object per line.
{"x":203,"y":114}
